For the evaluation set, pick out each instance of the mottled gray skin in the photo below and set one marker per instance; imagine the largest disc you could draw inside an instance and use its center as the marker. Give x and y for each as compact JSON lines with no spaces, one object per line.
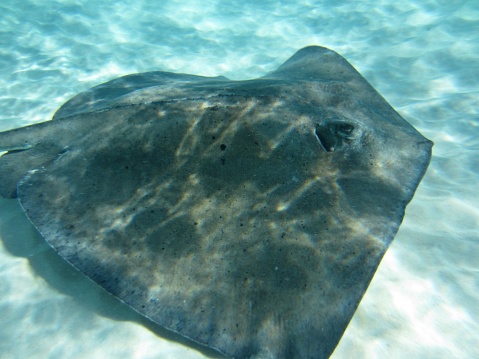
{"x":249,"y":216}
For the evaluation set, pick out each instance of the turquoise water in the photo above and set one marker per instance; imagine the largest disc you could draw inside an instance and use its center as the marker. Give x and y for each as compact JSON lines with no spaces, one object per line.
{"x":421,"y":56}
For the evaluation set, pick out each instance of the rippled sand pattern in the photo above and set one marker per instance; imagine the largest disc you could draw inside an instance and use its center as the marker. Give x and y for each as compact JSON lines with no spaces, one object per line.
{"x":421,"y":56}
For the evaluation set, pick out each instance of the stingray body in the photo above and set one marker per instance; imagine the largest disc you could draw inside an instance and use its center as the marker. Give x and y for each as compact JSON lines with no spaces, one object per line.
{"x":249,"y":216}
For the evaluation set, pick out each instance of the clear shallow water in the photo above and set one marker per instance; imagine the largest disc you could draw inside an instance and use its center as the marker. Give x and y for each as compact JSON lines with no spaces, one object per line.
{"x":421,"y":56}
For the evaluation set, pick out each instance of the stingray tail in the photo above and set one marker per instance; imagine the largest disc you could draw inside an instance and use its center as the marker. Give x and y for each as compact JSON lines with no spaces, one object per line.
{"x":24,"y":149}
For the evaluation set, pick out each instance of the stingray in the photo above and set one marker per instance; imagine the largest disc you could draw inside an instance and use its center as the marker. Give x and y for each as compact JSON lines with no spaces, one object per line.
{"x":248,"y":216}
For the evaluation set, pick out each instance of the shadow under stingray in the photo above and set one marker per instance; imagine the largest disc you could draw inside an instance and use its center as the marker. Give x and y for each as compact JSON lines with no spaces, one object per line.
{"x":21,"y":239}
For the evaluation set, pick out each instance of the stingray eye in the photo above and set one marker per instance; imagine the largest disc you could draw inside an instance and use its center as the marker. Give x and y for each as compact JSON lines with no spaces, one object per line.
{"x":345,"y":130}
{"x":335,"y":135}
